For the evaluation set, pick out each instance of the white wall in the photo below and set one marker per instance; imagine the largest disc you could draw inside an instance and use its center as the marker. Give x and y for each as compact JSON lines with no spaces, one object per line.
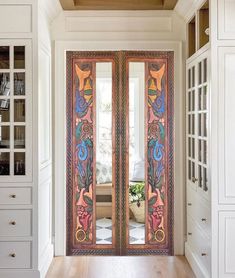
{"x":122,"y":30}
{"x":223,"y":134}
{"x":46,"y":12}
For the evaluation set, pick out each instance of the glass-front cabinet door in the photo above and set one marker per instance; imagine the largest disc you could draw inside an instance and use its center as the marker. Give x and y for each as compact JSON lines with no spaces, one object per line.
{"x":119,"y":153}
{"x":197,"y":125}
{"x":15,"y":111}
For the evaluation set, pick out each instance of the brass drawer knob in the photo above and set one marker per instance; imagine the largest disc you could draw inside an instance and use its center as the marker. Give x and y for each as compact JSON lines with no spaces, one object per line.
{"x":203,"y":219}
{"x":203,"y":254}
{"x":13,"y":196}
{"x":13,"y":223}
{"x":189,"y":234}
{"x":189,"y":204}
{"x":13,"y":255}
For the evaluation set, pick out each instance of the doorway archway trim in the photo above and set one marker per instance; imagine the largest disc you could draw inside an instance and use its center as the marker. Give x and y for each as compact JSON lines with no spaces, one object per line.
{"x":60,"y":130}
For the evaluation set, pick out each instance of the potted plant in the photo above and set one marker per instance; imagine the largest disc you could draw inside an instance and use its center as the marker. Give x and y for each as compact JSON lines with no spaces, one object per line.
{"x":137,"y":200}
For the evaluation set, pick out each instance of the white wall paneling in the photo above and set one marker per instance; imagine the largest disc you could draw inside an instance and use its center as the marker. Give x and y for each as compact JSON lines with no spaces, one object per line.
{"x":226,"y":19}
{"x":226,"y":244}
{"x":226,"y":125}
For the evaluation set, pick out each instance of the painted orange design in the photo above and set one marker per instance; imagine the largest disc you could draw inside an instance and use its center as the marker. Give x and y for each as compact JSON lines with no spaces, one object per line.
{"x":158,"y":76}
{"x":82,"y":75}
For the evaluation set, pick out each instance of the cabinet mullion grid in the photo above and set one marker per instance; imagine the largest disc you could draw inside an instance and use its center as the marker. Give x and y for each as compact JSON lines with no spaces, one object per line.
{"x":11,"y":110}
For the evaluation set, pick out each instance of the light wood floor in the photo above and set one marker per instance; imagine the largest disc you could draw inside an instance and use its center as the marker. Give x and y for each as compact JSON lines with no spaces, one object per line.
{"x":120,"y":267}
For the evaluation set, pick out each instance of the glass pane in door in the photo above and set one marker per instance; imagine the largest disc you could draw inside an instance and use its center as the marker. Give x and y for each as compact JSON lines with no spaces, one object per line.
{"x":136,"y":153}
{"x":104,"y":185}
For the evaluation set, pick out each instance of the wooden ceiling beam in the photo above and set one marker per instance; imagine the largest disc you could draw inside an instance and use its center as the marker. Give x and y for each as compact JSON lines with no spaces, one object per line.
{"x":169,"y":4}
{"x":118,"y":4}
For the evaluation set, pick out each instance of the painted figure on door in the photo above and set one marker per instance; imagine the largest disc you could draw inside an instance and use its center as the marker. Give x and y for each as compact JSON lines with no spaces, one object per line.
{"x":156,"y":153}
{"x":83,"y":152}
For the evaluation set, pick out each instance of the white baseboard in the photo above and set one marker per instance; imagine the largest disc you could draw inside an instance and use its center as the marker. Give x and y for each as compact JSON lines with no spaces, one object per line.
{"x":45,"y":260}
{"x":197,"y":268}
{"x":19,"y":273}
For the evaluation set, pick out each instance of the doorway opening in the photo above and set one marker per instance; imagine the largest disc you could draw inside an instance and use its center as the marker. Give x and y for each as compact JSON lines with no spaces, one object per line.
{"x":120,"y":152}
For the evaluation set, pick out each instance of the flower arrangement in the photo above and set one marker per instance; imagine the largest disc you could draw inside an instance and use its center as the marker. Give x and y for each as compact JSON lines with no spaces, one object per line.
{"x":136,"y":193}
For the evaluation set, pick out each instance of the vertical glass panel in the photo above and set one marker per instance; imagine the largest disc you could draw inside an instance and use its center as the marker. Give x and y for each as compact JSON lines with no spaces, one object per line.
{"x":189,"y":147}
{"x":189,"y":124}
{"x":193,"y":124}
{"x":4,"y":57}
{"x":205,"y":70}
{"x":193,"y":170}
{"x":19,"y":83}
{"x":189,"y":101}
{"x":193,"y":148}
{"x":4,"y":137}
{"x":200,"y":99}
{"x":19,"y":163}
{"x":19,"y":57}
{"x":104,"y":223}
{"x":19,"y":110}
{"x":19,"y":137}
{"x":189,"y":170}
{"x":200,"y":73}
{"x":200,"y":150}
{"x":193,"y":77}
{"x":193,"y":100}
{"x":5,"y":84}
{"x":136,"y":153}
{"x":205,"y":151}
{"x":200,"y":124}
{"x":189,"y":78}
{"x":200,"y":176}
{"x":4,"y":110}
{"x":4,"y":164}
{"x":205,"y":98}
{"x":205,"y":187}
{"x":205,"y":124}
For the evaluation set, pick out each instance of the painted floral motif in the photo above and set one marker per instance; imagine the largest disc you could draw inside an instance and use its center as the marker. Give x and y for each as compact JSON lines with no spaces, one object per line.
{"x":83,"y":152}
{"x":156,"y":153}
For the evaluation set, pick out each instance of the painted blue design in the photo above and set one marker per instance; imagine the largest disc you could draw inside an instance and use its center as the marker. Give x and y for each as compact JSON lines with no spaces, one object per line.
{"x":158,"y":151}
{"x":82,"y":151}
{"x":159,"y":104}
{"x":81,"y":104}
{"x":81,"y":170}
{"x":159,"y":171}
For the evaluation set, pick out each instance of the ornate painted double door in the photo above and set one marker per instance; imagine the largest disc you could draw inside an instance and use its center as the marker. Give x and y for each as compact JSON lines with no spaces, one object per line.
{"x":120,"y":153}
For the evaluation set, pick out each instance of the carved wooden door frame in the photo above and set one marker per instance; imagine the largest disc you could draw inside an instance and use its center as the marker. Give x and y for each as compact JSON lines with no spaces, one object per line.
{"x":80,"y":240}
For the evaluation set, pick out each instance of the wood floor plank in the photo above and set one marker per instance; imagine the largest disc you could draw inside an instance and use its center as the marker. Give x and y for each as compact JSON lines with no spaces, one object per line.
{"x":120,"y":267}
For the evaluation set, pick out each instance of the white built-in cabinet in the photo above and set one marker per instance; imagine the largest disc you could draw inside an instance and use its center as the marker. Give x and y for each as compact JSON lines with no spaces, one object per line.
{"x":198,"y":187}
{"x":15,"y":154}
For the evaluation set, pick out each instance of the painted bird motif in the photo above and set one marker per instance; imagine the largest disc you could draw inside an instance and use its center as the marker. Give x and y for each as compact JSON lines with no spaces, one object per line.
{"x":158,"y":76}
{"x":82,"y":75}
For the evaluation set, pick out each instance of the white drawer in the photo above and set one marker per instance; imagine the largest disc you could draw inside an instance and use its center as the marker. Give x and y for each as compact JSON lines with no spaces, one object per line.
{"x":15,"y":222}
{"x":199,"y":211}
{"x":15,"y":196}
{"x":200,"y":243}
{"x":15,"y":254}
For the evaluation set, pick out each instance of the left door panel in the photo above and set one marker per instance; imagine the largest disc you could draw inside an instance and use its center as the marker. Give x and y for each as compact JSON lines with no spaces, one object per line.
{"x":92,"y":149}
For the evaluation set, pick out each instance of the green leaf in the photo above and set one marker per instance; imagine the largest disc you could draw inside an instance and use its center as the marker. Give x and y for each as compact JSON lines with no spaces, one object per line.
{"x":152,"y":201}
{"x":88,"y":200}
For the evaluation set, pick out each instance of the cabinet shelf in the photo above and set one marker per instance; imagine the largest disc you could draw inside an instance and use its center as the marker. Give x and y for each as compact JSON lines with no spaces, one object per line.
{"x":198,"y":30}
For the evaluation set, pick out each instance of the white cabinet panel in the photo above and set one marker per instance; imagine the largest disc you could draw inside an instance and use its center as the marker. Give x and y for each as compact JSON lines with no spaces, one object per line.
{"x":226,"y":12}
{"x":44,"y":106}
{"x":226,"y":125}
{"x":15,"y":222}
{"x":15,"y":196}
{"x":226,"y":244}
{"x":15,"y":254}
{"x":22,"y":16}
